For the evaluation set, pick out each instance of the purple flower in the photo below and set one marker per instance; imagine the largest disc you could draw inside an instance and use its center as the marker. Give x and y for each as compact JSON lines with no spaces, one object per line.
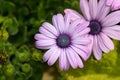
{"x":114,"y":4}
{"x":103,"y":26}
{"x":65,"y":41}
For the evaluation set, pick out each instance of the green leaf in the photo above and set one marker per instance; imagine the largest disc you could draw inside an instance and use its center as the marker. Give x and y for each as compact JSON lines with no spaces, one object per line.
{"x":13,"y":28}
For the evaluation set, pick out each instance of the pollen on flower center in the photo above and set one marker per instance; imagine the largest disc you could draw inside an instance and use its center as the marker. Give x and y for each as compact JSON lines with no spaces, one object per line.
{"x":63,"y":40}
{"x":95,"y":27}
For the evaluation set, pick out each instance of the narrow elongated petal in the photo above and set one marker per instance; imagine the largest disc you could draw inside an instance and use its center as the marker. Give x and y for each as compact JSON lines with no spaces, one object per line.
{"x":85,"y":9}
{"x":82,"y":33}
{"x":82,"y":41}
{"x":50,"y":28}
{"x":115,"y":27}
{"x":85,"y":31}
{"x":93,"y":4}
{"x":112,"y":33}
{"x":44,"y":43}
{"x":48,"y":54}
{"x":47,"y":33}
{"x":96,"y":49}
{"x":67,"y":20}
{"x":102,"y":45}
{"x":79,"y":61}
{"x":83,"y":55}
{"x":111,"y":19}
{"x":41,"y":36}
{"x":90,"y":46}
{"x":83,"y":48}
{"x":100,"y":5}
{"x":54,"y":21}
{"x":54,"y":56}
{"x":60,"y":22}
{"x":71,"y":57}
{"x":103,"y":10}
{"x":107,"y":41}
{"x":63,"y":60}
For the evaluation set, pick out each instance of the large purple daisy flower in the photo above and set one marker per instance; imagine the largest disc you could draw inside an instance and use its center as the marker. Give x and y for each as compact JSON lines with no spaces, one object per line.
{"x":65,"y":41}
{"x":103,"y":25}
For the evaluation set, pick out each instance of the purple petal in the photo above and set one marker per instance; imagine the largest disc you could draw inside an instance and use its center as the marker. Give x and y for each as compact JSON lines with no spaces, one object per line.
{"x":111,"y":19}
{"x":50,"y":28}
{"x":81,"y":41}
{"x":107,"y":41}
{"x":67,"y":20}
{"x":102,"y":45}
{"x":60,"y":22}
{"x":103,"y":10}
{"x":90,"y":46}
{"x":75,"y":24}
{"x":41,"y":36}
{"x":54,"y":56}
{"x":48,"y":54}
{"x":83,"y":32}
{"x":83,"y":48}
{"x":85,"y":9}
{"x":79,"y":61}
{"x":109,"y":2}
{"x":71,"y":58}
{"x":54,"y":21}
{"x":112,"y":33}
{"x":115,"y":27}
{"x":100,"y":5}
{"x":93,"y":8}
{"x":83,"y":55}
{"x":83,"y":25}
{"x":44,"y":43}
{"x":96,"y":49}
{"x":44,"y":47}
{"x":73,"y":14}
{"x":47,"y":33}
{"x":63,"y":62}
{"x":115,"y":5}
{"x":78,"y":28}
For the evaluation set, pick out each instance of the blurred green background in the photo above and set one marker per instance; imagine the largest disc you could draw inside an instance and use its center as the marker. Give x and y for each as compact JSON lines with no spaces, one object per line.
{"x":20,"y":60}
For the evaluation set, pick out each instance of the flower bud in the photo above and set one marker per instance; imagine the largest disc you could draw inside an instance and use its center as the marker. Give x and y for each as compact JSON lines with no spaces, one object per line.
{"x":23,"y":56}
{"x":4,"y":34}
{"x":9,"y":70}
{"x":26,"y":68}
{"x":36,"y":56}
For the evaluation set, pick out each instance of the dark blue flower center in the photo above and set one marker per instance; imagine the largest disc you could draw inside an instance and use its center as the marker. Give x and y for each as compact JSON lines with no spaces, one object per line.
{"x":63,"y":40}
{"x":95,"y":27}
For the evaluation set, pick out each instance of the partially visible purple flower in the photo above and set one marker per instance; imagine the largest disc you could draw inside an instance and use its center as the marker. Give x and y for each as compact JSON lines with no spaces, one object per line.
{"x":114,"y":4}
{"x":103,"y":26}
{"x":65,"y":40}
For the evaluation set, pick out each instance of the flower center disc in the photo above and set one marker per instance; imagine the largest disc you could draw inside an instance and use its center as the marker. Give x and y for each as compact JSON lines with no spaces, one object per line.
{"x":63,"y":41}
{"x":95,"y":27}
